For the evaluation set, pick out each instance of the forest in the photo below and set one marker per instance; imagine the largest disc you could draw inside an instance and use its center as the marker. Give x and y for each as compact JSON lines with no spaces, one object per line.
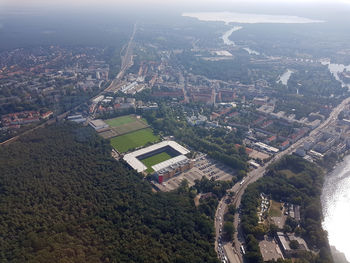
{"x":64,"y":199}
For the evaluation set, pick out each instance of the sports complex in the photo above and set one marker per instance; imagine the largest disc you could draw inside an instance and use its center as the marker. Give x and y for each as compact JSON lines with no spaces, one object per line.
{"x":164,"y":159}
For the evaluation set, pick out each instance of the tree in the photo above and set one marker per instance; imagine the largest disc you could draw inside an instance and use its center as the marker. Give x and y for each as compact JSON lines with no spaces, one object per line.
{"x":294,"y":244}
{"x":228,"y":229}
{"x":231,"y":209}
{"x":273,"y":230}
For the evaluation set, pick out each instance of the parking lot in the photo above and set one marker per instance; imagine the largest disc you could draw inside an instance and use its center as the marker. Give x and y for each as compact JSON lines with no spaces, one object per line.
{"x":203,"y":166}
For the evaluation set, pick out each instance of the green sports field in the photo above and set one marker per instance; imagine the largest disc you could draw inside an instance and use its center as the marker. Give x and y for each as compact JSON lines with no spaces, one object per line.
{"x":155,"y":159}
{"x":123,"y":125}
{"x":134,"y":139}
{"x":120,"y":121}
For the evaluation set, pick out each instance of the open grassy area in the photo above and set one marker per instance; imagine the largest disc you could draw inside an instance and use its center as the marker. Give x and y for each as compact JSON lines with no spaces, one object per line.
{"x":275,"y":209}
{"x":132,"y":140}
{"x":155,"y":159}
{"x":123,"y":125}
{"x":120,"y":120}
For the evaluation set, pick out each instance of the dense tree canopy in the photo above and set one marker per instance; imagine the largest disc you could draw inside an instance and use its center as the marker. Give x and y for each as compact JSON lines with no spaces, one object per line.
{"x":64,"y":199}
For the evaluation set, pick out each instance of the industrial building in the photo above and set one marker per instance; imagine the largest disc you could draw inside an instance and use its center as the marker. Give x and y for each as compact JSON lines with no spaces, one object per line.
{"x":163,"y":170}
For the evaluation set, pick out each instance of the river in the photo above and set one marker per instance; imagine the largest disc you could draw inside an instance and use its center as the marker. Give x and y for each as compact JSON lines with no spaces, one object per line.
{"x":336,"y":207}
{"x":227,"y":34}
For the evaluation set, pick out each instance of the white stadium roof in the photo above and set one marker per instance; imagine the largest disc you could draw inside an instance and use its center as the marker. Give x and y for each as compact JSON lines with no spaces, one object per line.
{"x":131,"y":158}
{"x":169,"y":162}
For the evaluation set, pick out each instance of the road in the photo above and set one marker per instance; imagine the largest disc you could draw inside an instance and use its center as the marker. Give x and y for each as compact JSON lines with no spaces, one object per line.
{"x":126,"y":63}
{"x":254,"y":175}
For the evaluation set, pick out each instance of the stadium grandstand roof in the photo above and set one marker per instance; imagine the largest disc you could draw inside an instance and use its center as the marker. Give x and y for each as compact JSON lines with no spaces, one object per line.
{"x":169,"y":163}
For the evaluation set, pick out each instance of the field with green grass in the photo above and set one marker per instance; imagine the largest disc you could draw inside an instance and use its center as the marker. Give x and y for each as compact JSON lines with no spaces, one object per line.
{"x":123,"y":125}
{"x":132,"y":140}
{"x":120,"y":120}
{"x":275,"y":209}
{"x":155,"y":159}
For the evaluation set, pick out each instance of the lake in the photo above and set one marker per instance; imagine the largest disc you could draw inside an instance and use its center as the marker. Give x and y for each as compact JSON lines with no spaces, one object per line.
{"x":245,"y":18}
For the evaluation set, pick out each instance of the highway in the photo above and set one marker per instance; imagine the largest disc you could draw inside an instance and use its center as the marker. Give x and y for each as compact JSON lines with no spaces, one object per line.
{"x":253,"y":176}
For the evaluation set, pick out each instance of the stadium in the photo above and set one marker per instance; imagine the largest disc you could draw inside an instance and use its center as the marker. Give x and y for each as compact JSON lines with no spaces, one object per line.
{"x":164,"y":160}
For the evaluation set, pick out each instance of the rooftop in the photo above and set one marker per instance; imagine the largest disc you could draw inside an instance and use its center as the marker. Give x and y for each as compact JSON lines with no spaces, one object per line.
{"x":98,"y":123}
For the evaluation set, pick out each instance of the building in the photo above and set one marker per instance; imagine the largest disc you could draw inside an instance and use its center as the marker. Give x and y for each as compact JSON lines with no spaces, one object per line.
{"x":194,"y":120}
{"x":300,"y":152}
{"x":284,"y":240}
{"x":98,"y":125}
{"x":285,"y":145}
{"x":167,"y":169}
{"x":129,"y":87}
{"x":253,"y":164}
{"x":266,"y":147}
{"x":47,"y":115}
{"x":76,"y":118}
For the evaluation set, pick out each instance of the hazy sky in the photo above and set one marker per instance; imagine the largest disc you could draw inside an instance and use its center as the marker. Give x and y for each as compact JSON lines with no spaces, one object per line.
{"x":312,"y":8}
{"x":158,"y":2}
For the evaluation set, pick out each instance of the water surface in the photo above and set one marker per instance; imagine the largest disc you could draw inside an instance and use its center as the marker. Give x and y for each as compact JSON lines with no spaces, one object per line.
{"x":227,"y":34}
{"x":245,"y":18}
{"x":336,"y":207}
